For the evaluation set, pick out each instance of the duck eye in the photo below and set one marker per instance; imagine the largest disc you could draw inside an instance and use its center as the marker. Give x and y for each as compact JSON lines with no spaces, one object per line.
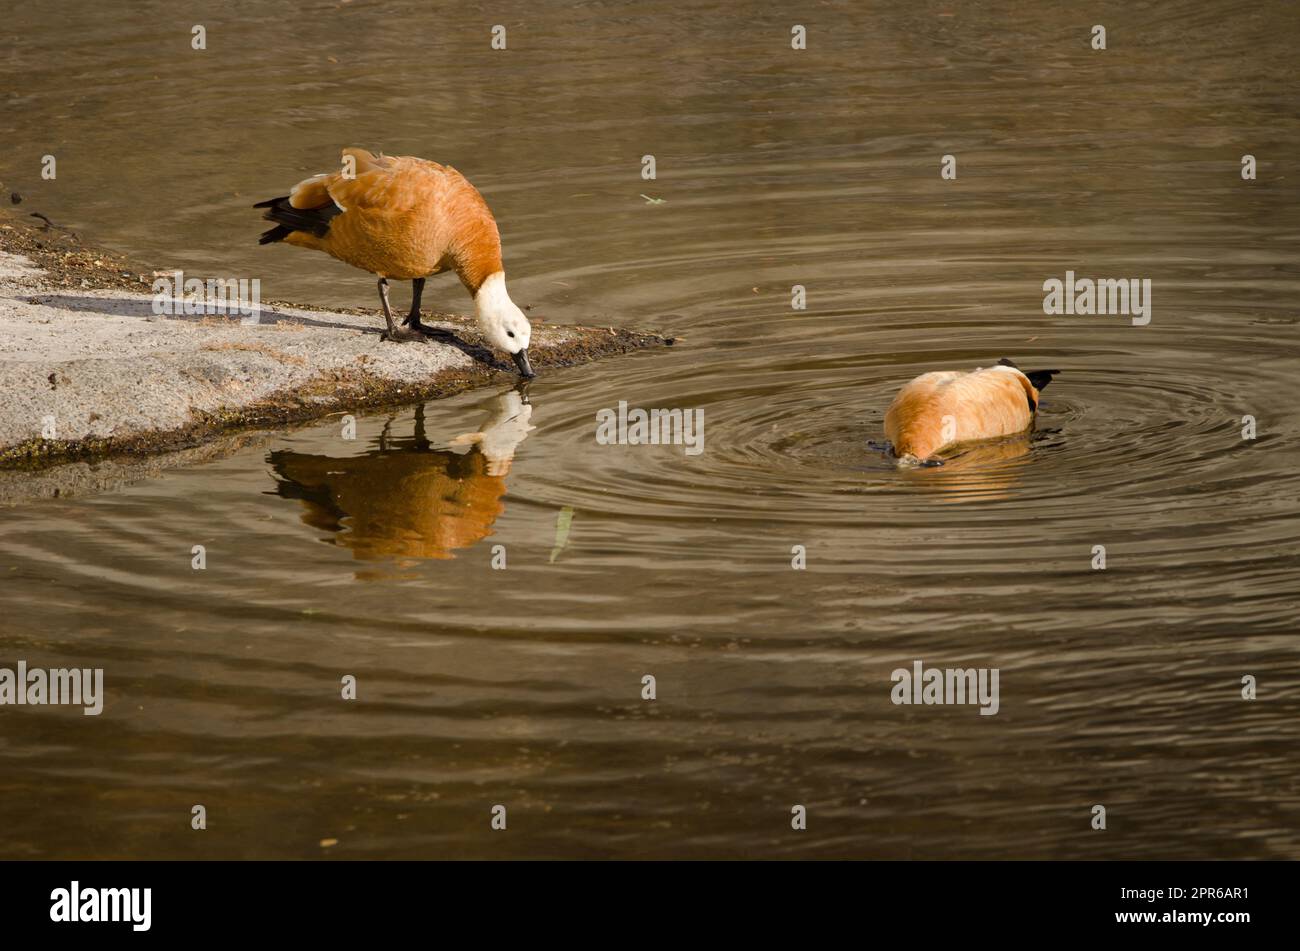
{"x":510,"y":333}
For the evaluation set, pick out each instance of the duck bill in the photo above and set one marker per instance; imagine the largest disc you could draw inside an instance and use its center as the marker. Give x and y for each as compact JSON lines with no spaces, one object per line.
{"x":525,"y":368}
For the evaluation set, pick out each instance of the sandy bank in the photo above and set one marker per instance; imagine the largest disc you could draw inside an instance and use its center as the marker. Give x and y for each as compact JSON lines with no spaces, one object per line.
{"x":88,"y":368}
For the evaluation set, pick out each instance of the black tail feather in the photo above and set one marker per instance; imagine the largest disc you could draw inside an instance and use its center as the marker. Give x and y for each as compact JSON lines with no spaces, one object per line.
{"x":289,"y":219}
{"x":278,"y":233}
{"x":1040,"y":378}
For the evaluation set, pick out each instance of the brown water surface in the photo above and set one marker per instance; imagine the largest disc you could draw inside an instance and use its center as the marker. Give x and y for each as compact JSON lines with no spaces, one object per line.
{"x":776,"y":167}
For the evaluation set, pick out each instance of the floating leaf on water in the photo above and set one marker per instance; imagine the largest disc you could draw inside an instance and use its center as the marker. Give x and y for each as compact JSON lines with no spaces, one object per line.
{"x":562,"y":523}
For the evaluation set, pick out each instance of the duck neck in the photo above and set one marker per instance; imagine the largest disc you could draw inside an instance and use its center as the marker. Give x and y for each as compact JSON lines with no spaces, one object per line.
{"x":491,"y":299}
{"x":477,"y":257}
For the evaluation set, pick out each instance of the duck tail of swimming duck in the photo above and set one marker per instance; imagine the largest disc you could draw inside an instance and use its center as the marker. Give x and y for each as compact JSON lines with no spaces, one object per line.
{"x":1040,"y":378}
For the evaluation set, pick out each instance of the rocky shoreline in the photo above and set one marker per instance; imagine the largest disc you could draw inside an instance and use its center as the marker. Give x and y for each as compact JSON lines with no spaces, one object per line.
{"x":88,"y":369}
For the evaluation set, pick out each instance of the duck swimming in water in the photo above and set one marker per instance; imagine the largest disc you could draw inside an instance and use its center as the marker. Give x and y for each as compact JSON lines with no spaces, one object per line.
{"x":406,"y":218}
{"x":938,"y":410}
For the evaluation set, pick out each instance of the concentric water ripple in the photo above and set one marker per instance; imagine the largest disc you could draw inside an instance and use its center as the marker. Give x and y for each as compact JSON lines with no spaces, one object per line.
{"x":479,"y":683}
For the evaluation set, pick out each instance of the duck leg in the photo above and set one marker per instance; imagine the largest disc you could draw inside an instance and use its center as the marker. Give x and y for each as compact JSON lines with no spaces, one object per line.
{"x":394,"y":332}
{"x":413,"y":318}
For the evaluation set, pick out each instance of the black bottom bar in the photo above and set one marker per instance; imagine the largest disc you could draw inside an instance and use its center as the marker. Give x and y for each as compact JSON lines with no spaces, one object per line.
{"x":1180,"y":900}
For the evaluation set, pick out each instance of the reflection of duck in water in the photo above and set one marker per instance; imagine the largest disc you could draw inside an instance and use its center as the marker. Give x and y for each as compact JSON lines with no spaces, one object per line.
{"x":407,"y":499}
{"x":979,"y":472}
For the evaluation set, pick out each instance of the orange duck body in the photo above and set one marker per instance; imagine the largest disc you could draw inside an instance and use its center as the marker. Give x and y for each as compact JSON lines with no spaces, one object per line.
{"x":938,"y":410}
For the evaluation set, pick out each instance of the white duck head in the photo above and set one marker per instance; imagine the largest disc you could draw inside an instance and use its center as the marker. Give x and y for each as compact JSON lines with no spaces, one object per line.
{"x":503,"y":323}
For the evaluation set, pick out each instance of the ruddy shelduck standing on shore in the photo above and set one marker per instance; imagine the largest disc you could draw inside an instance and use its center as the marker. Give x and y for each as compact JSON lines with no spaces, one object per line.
{"x":938,"y":410}
{"x":406,"y":218}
